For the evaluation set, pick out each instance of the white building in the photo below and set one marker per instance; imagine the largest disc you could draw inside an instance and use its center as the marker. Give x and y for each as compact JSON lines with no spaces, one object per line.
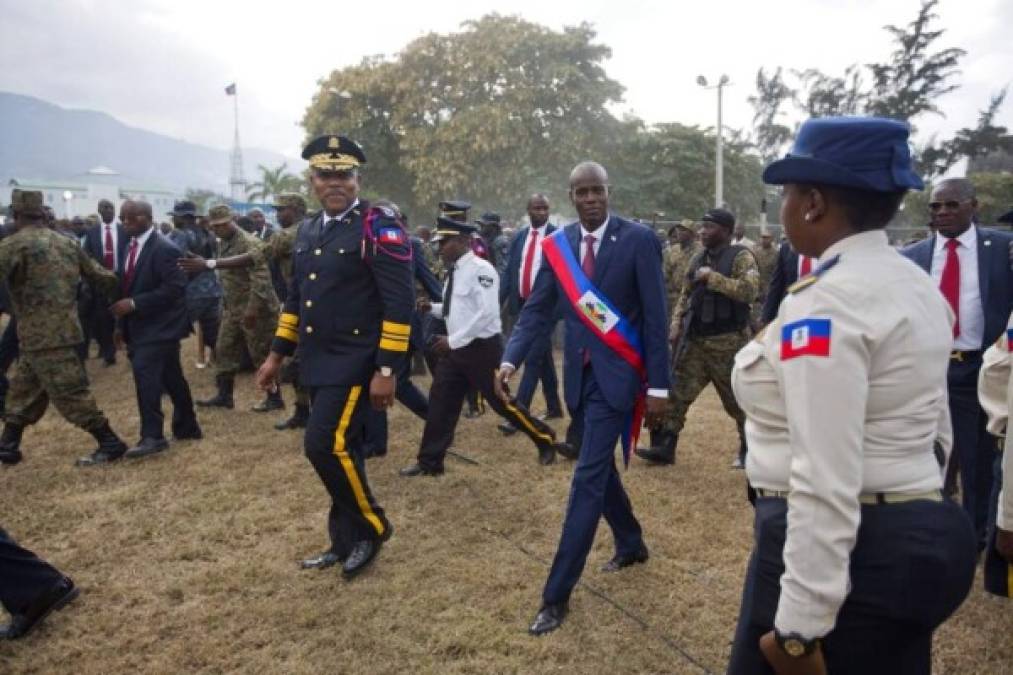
{"x":80,"y":195}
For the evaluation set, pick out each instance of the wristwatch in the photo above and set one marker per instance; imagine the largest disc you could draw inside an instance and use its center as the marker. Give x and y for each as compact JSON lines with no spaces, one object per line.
{"x":386,"y":371}
{"x":211,"y":263}
{"x":794,"y":645}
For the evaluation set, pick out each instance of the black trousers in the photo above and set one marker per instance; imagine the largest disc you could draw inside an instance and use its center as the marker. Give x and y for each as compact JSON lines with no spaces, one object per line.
{"x":973,"y":448}
{"x":156,"y":369}
{"x":23,"y":576}
{"x":333,"y":445}
{"x":376,"y":433}
{"x":998,"y":573}
{"x":102,"y":325}
{"x":911,"y":568}
{"x":471,"y":367}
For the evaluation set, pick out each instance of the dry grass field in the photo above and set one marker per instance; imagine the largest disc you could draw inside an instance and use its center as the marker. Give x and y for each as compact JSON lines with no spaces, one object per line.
{"x":188,"y":561}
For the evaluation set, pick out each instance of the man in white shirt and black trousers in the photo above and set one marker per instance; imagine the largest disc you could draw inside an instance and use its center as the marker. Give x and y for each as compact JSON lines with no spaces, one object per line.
{"x":471,"y":351}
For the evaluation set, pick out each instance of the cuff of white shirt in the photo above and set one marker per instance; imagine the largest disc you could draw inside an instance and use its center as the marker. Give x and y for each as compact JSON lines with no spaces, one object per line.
{"x":436,"y":309}
{"x":802,"y":618}
{"x":657,"y":393}
{"x":455,"y":342}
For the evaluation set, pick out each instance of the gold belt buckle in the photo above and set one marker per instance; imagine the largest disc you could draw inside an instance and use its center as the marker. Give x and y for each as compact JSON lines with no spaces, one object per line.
{"x":957,"y":355}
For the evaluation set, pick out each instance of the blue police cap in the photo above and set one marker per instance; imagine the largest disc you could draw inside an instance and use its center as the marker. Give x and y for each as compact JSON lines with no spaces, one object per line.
{"x":869,"y":153}
{"x":184,"y":207}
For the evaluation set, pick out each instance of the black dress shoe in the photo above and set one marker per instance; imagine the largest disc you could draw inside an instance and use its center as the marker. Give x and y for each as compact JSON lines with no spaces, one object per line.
{"x":54,"y":599}
{"x":472,"y":413}
{"x":363,"y":553}
{"x":147,"y":446}
{"x":100,"y":456}
{"x":507,"y":429}
{"x":548,"y":619}
{"x":567,"y":450}
{"x":322,"y":561}
{"x":621,"y":561}
{"x":551,"y":415}
{"x":419,"y":470}
{"x":194,"y":434}
{"x":10,"y":457}
{"x":546,"y":455}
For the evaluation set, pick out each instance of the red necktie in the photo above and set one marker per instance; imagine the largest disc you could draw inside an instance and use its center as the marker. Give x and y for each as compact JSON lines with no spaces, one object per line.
{"x":949,"y":284}
{"x":128,"y":275}
{"x":529,"y":262}
{"x":587,"y":265}
{"x":806,"y":267}
{"x":109,"y":259}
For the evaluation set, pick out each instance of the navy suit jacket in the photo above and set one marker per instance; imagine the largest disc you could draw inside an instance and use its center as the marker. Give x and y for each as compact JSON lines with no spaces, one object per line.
{"x":628,"y":272}
{"x":158,"y":290}
{"x":784,"y":275}
{"x":509,"y":285}
{"x":995,"y":276}
{"x":94,"y":245}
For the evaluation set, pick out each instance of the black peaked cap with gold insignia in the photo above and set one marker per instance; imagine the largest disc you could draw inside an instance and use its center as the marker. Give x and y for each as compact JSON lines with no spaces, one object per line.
{"x":333,"y":153}
{"x":455,"y":210}
{"x":447,"y":227}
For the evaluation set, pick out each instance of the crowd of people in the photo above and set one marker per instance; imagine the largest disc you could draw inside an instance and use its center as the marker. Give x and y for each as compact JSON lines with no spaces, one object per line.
{"x":868,"y":390}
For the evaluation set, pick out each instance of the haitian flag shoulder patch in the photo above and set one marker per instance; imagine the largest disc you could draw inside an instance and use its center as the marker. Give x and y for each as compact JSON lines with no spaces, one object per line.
{"x":391,"y":235}
{"x":1009,"y":339}
{"x":808,"y":337}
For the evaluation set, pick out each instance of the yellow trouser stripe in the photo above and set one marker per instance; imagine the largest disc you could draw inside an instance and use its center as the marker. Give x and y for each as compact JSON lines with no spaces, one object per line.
{"x":291,"y":320}
{"x":396,"y":328}
{"x":527,"y":424}
{"x":286,"y":334}
{"x":392,"y":346}
{"x":348,"y":466}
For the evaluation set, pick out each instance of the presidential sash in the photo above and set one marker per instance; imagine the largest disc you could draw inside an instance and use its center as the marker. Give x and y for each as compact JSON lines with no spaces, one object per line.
{"x":603,"y":320}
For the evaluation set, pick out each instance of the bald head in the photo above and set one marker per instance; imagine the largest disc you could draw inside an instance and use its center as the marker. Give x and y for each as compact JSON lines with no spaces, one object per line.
{"x":962,"y":188}
{"x":589,"y":193}
{"x":538,"y":210}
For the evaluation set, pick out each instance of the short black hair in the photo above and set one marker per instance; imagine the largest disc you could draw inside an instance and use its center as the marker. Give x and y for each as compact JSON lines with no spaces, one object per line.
{"x":864,"y":210}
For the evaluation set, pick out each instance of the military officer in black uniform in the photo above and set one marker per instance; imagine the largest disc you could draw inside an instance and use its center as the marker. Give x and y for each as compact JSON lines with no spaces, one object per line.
{"x":348,"y":312}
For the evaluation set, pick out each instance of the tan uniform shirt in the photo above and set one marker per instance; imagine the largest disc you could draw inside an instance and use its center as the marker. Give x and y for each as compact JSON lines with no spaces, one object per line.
{"x":858,"y":412}
{"x":995,"y":391}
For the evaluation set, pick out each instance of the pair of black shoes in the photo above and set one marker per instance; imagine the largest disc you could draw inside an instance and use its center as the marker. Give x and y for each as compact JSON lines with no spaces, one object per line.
{"x":361,"y":555}
{"x":56,"y":598}
{"x":420,"y":470}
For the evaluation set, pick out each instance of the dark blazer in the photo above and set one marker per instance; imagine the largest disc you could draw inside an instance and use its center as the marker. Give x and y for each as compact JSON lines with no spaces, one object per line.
{"x":995,"y":276}
{"x":158,"y":290}
{"x":94,"y":246}
{"x":784,"y":275}
{"x":628,"y":272}
{"x":509,"y":285}
{"x":431,"y":286}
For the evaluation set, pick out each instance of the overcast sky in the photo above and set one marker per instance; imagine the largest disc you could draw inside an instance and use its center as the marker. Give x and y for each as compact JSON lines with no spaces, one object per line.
{"x":163,"y":64}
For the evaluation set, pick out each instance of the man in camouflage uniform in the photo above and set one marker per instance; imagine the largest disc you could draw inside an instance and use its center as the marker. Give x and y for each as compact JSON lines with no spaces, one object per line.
{"x":710,"y":325}
{"x":279,"y":249}
{"x":251,"y":308}
{"x":42,"y":270}
{"x":766,"y":260}
{"x":677,"y":257}
{"x":425,"y":234}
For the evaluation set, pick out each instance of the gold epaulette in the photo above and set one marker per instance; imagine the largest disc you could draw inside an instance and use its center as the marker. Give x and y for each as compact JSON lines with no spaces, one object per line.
{"x":803,"y":283}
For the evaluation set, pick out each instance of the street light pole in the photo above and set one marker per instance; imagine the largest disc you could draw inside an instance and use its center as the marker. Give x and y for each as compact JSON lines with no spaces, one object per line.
{"x":719,"y":160}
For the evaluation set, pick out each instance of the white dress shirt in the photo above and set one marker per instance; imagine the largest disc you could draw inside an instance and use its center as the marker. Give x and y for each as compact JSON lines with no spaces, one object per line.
{"x":972,"y":314}
{"x":474,"y":306}
{"x":861,"y":419}
{"x":536,"y":261}
{"x":327,"y":220}
{"x":995,"y":391}
{"x":114,"y":230}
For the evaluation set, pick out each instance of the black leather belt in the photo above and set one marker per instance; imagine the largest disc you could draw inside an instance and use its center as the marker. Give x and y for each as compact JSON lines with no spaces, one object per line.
{"x":961,"y":356}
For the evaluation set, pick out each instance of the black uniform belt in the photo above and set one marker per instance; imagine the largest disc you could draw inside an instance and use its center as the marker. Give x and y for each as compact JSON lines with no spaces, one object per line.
{"x":870,"y":498}
{"x":961,"y":355}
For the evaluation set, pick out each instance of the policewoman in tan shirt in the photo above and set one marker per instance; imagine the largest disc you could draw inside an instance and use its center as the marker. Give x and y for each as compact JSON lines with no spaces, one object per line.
{"x":857,"y":558}
{"x":995,"y":391}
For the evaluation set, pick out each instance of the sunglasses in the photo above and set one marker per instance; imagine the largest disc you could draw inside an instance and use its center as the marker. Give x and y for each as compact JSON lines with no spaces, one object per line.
{"x":952,"y":205}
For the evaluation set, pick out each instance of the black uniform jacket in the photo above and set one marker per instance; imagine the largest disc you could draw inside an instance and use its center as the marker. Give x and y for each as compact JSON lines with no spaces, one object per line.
{"x":349,"y":304}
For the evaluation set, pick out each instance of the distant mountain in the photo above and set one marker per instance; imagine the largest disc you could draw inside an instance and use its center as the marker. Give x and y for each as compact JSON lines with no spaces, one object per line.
{"x":42,"y":141}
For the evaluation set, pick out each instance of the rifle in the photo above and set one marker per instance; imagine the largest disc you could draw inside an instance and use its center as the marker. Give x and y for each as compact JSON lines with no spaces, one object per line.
{"x":680,"y":347}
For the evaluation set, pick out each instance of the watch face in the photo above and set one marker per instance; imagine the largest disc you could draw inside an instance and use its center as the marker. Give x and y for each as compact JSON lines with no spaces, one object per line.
{"x":793,"y":647}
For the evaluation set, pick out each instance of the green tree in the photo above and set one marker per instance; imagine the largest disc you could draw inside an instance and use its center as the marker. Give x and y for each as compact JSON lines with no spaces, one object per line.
{"x":273,"y":182}
{"x":203,"y":198}
{"x":492,"y":113}
{"x":771,"y":133}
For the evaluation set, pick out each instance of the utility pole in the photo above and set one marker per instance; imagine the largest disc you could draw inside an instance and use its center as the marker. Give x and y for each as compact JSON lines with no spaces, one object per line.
{"x":719,"y":159}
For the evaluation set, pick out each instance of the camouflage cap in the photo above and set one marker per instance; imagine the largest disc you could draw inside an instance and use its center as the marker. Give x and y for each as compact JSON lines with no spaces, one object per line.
{"x":293,"y":199}
{"x":27,"y":202}
{"x":686,"y":224}
{"x":219,"y":213}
